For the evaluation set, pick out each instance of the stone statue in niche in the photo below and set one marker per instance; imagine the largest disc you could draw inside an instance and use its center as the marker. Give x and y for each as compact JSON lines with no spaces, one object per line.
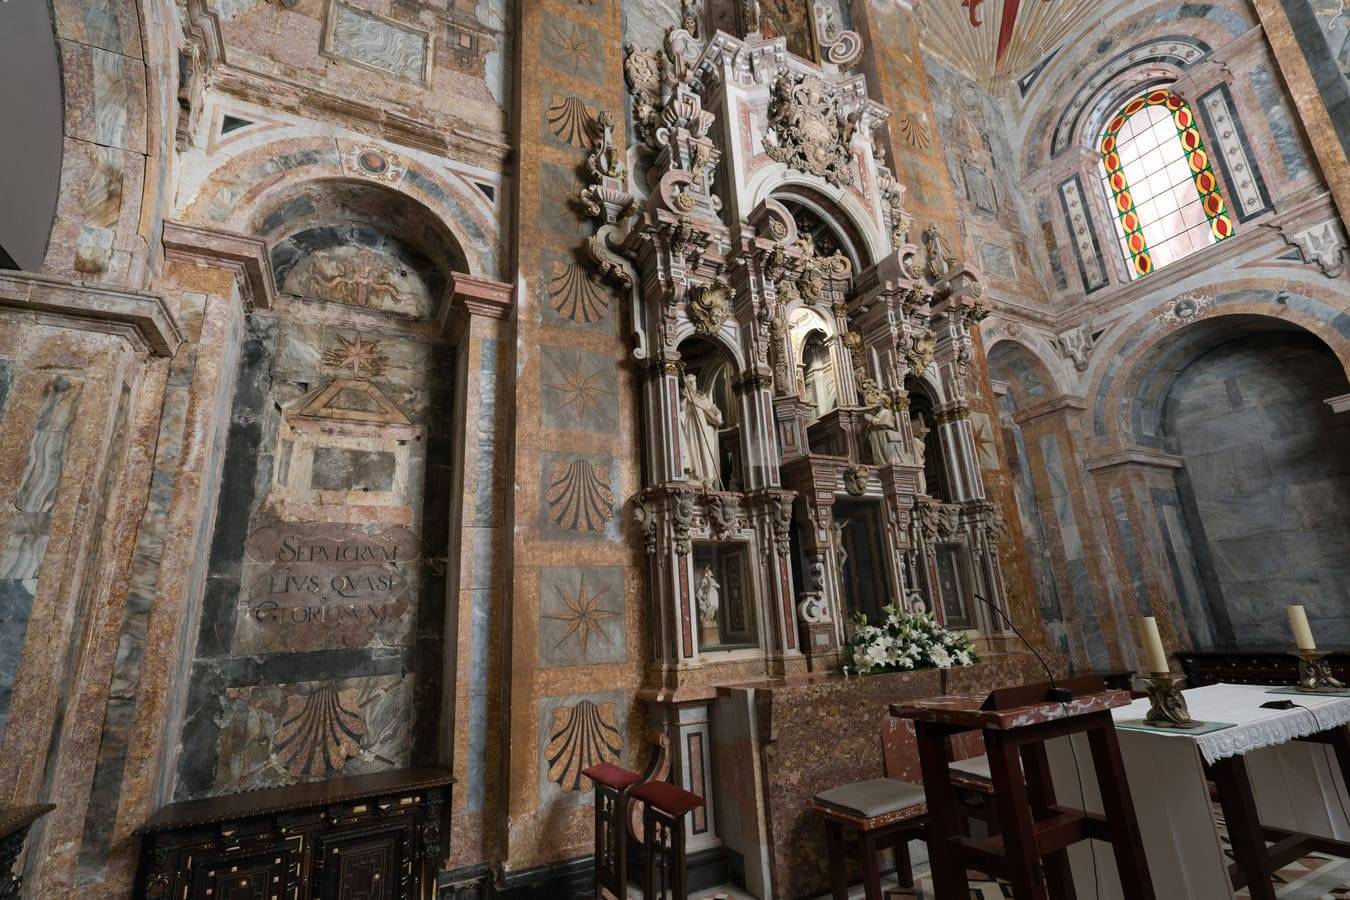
{"x":821,"y":390}
{"x":709,"y":600}
{"x":920,"y":430}
{"x":360,"y":276}
{"x":840,"y":553}
{"x":883,"y":432}
{"x":700,"y":422}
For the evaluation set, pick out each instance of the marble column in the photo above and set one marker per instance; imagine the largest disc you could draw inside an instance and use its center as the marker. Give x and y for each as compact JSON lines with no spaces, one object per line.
{"x":1089,"y":588}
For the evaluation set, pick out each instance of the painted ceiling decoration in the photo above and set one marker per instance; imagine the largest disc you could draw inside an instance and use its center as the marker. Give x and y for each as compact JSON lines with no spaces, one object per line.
{"x":999,"y":41}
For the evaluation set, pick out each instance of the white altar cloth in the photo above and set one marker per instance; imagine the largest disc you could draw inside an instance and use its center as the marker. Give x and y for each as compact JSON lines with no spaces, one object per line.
{"x":1297,"y":786}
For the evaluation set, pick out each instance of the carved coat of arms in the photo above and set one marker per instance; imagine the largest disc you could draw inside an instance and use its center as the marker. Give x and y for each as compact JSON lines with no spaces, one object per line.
{"x":811,"y":133}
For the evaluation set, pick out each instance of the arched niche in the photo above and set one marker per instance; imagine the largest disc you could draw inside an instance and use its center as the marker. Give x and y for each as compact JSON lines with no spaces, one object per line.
{"x":1258,"y":515}
{"x":810,"y":334}
{"x":922,"y":405}
{"x":828,"y":227}
{"x":1028,"y":378}
{"x":714,"y":373}
{"x":359,"y":244}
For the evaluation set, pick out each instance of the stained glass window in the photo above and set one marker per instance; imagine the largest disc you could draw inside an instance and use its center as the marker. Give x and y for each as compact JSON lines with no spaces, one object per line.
{"x":1162,"y":188}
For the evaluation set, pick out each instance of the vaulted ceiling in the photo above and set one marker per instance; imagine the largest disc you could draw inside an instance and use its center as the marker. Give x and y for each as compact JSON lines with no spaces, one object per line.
{"x":999,"y":42}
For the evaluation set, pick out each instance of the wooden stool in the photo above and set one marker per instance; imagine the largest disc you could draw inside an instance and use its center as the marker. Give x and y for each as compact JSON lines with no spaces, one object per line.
{"x":864,"y":819}
{"x":1031,"y":850}
{"x":975,"y":791}
{"x":665,"y":807}
{"x":611,"y":832}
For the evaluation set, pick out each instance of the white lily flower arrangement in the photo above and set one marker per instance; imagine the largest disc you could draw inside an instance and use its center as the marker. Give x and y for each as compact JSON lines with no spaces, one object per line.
{"x":905,"y":641}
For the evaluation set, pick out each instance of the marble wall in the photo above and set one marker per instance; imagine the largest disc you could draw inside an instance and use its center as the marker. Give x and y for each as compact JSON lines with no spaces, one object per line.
{"x":1266,"y":485}
{"x":318,"y":652}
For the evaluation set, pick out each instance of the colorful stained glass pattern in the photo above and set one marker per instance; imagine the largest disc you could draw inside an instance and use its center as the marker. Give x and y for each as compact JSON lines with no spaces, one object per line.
{"x":1163,"y":189}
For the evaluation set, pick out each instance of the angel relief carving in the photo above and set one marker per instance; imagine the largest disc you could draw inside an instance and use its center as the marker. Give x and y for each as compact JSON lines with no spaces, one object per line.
{"x":811,"y":133}
{"x":360,"y":276}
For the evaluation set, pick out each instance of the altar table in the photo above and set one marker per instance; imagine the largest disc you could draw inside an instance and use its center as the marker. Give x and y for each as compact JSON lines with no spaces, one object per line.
{"x":1297,"y":786}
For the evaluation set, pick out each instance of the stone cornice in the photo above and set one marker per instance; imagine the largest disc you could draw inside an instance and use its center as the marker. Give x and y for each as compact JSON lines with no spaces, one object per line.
{"x":470,"y":296}
{"x":243,"y":254}
{"x":1139,"y":458}
{"x":1064,"y":403}
{"x":454,"y":137}
{"x":142,"y":318}
{"x":1339,"y":404}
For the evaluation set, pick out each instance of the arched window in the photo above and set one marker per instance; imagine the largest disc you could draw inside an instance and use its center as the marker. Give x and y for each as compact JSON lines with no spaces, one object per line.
{"x":1162,"y":187}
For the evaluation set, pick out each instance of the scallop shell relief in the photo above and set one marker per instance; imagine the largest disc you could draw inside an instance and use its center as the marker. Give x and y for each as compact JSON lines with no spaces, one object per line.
{"x":581,"y":736}
{"x":579,"y":497}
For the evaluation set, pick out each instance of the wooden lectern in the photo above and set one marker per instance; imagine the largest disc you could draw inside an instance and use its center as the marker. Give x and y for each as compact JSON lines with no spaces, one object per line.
{"x":1031,"y":850}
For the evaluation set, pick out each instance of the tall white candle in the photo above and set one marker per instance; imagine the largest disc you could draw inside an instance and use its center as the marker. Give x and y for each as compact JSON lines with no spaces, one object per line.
{"x":1155,"y":657}
{"x":1298,"y":621}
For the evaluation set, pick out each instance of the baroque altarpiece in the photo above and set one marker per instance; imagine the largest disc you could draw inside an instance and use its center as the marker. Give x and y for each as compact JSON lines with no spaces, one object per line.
{"x":805,"y":353}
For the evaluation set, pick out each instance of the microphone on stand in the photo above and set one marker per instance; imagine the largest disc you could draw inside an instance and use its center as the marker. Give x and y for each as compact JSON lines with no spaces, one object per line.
{"x":1056,"y":693}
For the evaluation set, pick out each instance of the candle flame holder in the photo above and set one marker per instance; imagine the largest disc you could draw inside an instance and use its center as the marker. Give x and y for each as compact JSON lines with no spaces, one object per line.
{"x":1314,"y":673}
{"x":1167,"y":705}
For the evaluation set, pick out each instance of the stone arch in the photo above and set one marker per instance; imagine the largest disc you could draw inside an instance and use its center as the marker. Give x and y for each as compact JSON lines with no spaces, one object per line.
{"x":358,"y":242}
{"x":1023,"y":368}
{"x":842,"y":207}
{"x":119,"y":91}
{"x":235,"y":195}
{"x":1112,"y":61}
{"x":724,"y":339}
{"x":1137,"y":357}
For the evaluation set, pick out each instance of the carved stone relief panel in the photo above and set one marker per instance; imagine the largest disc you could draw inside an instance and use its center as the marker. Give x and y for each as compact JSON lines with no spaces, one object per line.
{"x":360,"y":276}
{"x":577,"y":497}
{"x":581,"y":615}
{"x":575,"y":49}
{"x":572,"y":296}
{"x":576,"y":732}
{"x":578,"y":391}
{"x":304,"y":731}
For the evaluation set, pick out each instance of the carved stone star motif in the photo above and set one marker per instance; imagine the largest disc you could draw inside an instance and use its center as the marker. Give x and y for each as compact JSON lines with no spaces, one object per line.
{"x":357,"y":355}
{"x":570,"y":43}
{"x":984,"y":443}
{"x":582,"y":615}
{"x":580,"y":392}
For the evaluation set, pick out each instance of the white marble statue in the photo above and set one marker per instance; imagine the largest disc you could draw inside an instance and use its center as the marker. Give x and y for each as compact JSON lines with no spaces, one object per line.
{"x":920,"y":430}
{"x":699,"y":423}
{"x":884,"y":436}
{"x":708,"y":597}
{"x":821,"y":389}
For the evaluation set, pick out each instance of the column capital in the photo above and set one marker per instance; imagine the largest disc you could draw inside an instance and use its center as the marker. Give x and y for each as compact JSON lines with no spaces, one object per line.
{"x":245,"y":255}
{"x":1064,"y":403}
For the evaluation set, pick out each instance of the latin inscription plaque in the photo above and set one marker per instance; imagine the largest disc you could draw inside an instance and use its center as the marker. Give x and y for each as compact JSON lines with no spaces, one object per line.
{"x":324,"y":586}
